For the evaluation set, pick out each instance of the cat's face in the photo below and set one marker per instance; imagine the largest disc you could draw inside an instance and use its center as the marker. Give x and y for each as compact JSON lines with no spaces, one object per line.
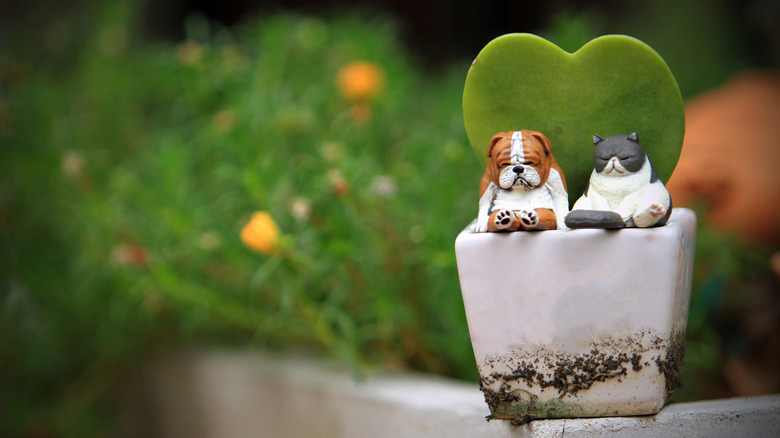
{"x":618,"y":155}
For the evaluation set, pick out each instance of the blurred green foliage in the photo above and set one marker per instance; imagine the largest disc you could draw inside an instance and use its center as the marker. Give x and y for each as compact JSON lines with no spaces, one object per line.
{"x":704,"y":42}
{"x":129,"y":175}
{"x":129,"y":170}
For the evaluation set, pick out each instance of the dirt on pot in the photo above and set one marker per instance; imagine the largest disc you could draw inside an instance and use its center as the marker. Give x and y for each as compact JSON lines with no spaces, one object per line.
{"x":512,"y":384}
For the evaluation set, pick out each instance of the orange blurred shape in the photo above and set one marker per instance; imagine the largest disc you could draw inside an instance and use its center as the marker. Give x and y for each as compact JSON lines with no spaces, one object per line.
{"x":359,"y":81}
{"x":337,"y":182}
{"x":126,"y":254}
{"x":261,"y":233}
{"x":731,"y":157}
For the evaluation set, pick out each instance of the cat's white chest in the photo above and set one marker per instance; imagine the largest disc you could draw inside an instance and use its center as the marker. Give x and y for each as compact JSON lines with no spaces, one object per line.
{"x":611,"y":191}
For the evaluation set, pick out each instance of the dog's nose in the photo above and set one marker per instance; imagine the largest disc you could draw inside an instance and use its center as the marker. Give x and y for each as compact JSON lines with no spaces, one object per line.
{"x":517,"y":169}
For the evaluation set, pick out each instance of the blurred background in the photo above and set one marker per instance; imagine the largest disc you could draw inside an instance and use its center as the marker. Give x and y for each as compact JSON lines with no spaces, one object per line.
{"x":293,"y":174}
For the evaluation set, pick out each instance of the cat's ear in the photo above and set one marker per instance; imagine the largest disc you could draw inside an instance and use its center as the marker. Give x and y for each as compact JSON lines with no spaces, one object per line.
{"x":543,"y":140}
{"x":597,"y":138}
{"x":633,"y":137}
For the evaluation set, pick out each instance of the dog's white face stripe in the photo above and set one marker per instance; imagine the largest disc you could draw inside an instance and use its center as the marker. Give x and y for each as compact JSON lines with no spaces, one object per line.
{"x":517,"y":156}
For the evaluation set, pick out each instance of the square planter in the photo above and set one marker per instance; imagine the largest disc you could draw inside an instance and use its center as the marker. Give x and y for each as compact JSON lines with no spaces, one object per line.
{"x":578,"y":323}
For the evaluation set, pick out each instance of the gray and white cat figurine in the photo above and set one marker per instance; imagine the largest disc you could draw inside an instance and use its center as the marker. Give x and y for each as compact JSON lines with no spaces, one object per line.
{"x":624,"y":189}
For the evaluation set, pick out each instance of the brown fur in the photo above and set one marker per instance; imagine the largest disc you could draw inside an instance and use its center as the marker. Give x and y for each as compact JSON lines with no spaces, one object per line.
{"x":536,"y":148}
{"x":547,"y":221}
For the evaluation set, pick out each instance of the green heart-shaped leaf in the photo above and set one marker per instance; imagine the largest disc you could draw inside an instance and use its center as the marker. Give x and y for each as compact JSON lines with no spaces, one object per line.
{"x":613,"y":85}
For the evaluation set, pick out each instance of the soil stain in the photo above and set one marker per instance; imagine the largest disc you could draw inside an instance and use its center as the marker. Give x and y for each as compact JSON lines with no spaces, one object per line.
{"x":671,"y":365}
{"x":568,"y":374}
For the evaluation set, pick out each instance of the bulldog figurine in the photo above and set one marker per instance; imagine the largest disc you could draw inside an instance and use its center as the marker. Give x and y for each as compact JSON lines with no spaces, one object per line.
{"x":523,"y":187}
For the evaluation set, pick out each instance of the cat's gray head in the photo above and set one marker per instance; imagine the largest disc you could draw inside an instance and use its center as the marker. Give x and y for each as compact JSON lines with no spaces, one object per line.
{"x":617,"y":155}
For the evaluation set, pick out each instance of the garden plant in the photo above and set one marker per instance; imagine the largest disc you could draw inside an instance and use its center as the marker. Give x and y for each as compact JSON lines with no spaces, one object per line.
{"x":294,"y":181}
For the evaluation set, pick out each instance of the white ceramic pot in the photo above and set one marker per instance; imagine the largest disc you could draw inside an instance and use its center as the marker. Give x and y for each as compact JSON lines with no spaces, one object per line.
{"x":578,"y":323}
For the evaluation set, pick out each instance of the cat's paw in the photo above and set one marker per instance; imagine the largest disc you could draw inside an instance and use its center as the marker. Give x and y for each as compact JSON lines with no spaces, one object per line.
{"x":504,"y":219}
{"x":656,"y":211}
{"x":529,"y":218}
{"x":649,"y":216}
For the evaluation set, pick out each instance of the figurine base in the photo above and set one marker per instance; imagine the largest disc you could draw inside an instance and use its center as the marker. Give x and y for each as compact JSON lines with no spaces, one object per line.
{"x":578,"y":323}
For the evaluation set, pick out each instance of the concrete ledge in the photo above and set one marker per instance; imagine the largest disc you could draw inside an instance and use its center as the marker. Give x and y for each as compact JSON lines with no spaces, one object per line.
{"x":244,"y":394}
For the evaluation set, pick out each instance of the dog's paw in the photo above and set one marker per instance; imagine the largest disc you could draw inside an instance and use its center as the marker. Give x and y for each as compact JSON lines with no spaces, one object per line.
{"x":504,"y":219}
{"x":479,"y":226}
{"x":529,"y":218}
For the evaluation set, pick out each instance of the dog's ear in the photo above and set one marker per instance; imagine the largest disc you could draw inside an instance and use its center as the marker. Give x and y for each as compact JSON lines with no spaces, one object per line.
{"x":496,"y":138}
{"x":543,"y":140}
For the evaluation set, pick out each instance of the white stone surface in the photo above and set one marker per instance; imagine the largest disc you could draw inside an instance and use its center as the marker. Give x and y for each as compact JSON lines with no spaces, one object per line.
{"x":736,"y":417}
{"x":237,"y":394}
{"x":539,"y":298}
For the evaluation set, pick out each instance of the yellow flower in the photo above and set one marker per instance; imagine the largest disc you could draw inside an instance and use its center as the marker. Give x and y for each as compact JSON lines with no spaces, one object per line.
{"x":190,"y":53}
{"x":359,"y":81}
{"x":261,"y":233}
{"x":225,"y":120}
